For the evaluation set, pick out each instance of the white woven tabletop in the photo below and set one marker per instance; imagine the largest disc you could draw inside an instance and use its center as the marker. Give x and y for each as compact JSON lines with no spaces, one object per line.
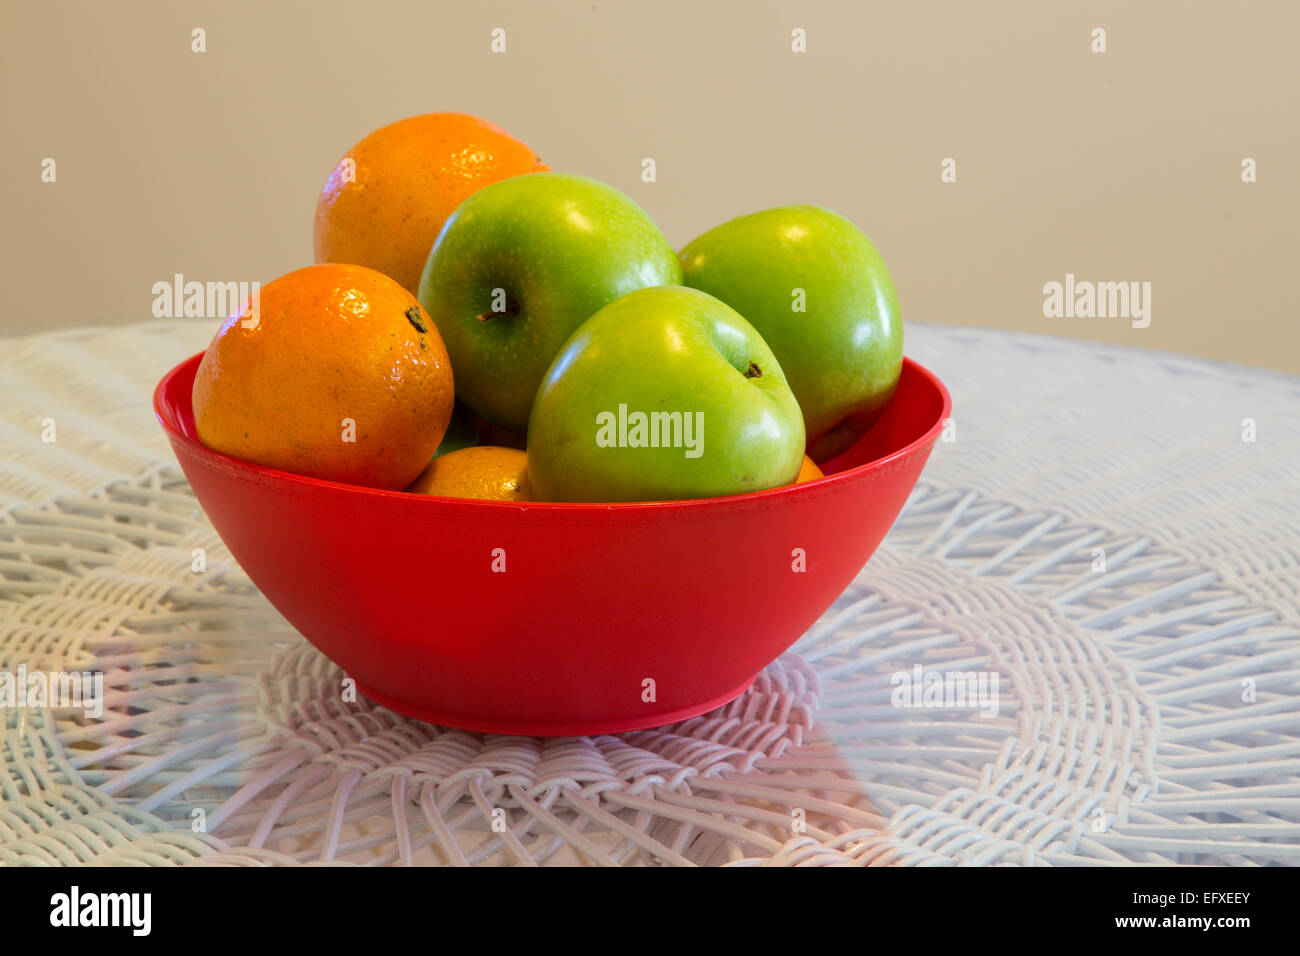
{"x":1113,"y":534}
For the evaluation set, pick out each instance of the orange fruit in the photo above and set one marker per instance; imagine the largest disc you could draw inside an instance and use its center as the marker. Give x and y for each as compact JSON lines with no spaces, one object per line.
{"x":340,"y":375}
{"x":483,"y":471}
{"x":387,"y":198}
{"x":808,"y":471}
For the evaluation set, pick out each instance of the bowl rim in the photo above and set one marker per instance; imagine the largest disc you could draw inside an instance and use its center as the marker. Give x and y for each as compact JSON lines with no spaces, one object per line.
{"x":305,"y":484}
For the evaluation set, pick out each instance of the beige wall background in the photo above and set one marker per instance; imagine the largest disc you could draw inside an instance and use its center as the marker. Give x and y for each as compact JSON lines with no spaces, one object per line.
{"x":1115,"y":166}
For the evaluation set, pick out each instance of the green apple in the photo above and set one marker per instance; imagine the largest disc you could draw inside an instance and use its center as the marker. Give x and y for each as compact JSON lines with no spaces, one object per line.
{"x":521,"y":264}
{"x":665,"y":393}
{"x":819,"y":293}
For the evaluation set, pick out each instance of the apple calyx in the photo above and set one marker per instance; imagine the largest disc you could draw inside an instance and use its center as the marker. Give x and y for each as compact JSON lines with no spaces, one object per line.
{"x":753,"y":371}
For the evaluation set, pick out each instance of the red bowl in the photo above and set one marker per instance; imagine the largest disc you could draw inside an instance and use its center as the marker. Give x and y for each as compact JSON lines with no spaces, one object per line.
{"x":697,"y":596}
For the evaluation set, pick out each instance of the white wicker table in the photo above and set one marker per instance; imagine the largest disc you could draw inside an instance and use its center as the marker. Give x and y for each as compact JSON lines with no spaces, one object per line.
{"x":1098,"y":533}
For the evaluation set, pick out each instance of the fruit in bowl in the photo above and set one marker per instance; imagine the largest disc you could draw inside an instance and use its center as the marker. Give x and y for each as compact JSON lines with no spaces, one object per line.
{"x":808,"y":471}
{"x":386,"y":199}
{"x":336,"y":373}
{"x":519,"y":266}
{"x":485,"y":472}
{"x":819,"y":294}
{"x":665,"y":393}
{"x":639,"y":487}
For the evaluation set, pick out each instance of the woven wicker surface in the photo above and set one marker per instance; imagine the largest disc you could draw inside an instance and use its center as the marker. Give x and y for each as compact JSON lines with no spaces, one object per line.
{"x":1146,"y":712}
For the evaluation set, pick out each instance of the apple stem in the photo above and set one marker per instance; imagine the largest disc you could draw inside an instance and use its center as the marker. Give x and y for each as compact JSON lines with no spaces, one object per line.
{"x":753,"y":371}
{"x":511,"y":309}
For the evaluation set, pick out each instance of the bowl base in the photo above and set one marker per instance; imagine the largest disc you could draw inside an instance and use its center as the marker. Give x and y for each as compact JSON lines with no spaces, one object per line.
{"x":561,"y":729}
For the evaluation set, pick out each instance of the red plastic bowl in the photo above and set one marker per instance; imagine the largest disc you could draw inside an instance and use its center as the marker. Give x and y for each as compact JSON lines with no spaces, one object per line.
{"x":595,"y":600}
